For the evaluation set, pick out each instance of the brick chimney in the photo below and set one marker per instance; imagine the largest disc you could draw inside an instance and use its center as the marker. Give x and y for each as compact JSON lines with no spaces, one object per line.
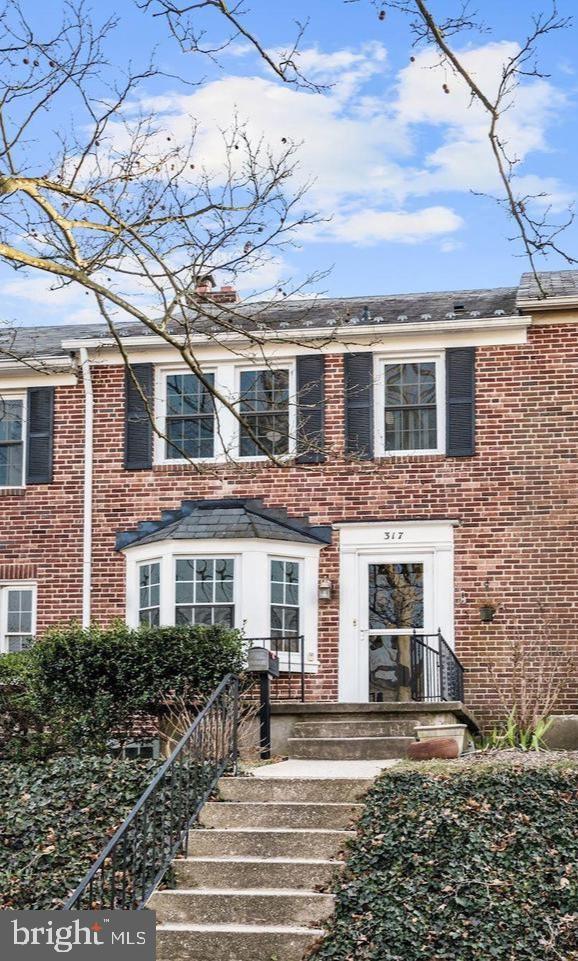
{"x":206,"y":289}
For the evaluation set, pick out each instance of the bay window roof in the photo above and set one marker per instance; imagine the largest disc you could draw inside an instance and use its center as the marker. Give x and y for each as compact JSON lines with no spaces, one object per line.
{"x":229,"y":518}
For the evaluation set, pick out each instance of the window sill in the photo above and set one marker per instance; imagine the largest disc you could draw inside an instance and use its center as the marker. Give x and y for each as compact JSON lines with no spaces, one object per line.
{"x":12,"y":491}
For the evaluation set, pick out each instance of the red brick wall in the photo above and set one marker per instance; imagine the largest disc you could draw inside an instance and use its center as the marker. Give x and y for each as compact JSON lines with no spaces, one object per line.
{"x":517,"y":501}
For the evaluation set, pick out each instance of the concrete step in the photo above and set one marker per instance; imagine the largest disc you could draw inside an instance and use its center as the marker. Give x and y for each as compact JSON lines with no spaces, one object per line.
{"x":267,"y":843}
{"x":356,"y":727}
{"x":347,"y":748}
{"x":228,"y":942}
{"x":293,"y":789}
{"x":258,"y":814}
{"x":232,"y":906}
{"x":239,"y":873}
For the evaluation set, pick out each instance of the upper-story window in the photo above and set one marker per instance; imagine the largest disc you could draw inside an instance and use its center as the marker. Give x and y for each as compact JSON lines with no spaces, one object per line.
{"x":264,"y":410}
{"x":17,"y":617}
{"x":190,"y":417}
{"x":410,"y":405}
{"x":204,"y":591}
{"x":12,"y":413}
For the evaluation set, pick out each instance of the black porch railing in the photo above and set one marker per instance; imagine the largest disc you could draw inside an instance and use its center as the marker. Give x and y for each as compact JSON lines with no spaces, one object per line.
{"x":290,"y":650}
{"x":436,"y":673}
{"x":136,"y":858}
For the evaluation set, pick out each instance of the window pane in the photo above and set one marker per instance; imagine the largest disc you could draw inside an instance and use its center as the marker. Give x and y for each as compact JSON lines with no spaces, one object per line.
{"x":149,"y":594}
{"x":10,"y":420}
{"x":284,"y":616}
{"x":410,"y":407}
{"x":11,"y":456}
{"x":204,"y":591}
{"x":395,"y":595}
{"x":190,"y":422}
{"x":264,"y":406}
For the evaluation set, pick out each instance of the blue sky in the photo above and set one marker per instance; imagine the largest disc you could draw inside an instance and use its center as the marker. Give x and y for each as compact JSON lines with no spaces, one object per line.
{"x":394,"y":159}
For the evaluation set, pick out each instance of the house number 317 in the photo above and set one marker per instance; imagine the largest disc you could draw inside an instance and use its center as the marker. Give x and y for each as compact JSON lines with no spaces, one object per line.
{"x":393,"y":535}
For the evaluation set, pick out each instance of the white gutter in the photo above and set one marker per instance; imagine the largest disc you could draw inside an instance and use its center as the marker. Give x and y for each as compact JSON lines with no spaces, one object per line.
{"x":340,"y":332}
{"x":88,"y":477}
{"x":549,"y":303}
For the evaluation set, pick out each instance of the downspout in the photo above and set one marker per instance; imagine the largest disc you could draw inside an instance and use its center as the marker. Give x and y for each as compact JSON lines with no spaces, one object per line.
{"x":88,"y":477}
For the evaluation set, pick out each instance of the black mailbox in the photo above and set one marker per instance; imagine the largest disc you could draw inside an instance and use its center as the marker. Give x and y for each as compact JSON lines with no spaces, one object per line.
{"x":262,"y":661}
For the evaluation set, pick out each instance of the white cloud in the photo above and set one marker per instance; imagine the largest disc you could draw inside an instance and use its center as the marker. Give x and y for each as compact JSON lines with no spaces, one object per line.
{"x":370,"y":145}
{"x":367,"y":227}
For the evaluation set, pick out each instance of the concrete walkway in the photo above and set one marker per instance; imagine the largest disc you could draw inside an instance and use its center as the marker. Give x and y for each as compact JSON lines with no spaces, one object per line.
{"x":333,"y":770}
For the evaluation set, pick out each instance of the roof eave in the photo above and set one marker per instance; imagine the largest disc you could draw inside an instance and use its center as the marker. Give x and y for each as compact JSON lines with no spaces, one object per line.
{"x":514,"y":321}
{"x":549,"y":303}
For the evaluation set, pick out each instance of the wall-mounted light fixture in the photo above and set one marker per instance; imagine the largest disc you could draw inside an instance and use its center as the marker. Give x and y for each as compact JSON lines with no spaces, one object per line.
{"x":487,"y":613}
{"x":325,"y":589}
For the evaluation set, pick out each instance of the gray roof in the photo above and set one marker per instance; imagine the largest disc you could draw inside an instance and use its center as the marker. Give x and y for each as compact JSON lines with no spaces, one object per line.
{"x":224,"y":520}
{"x":554,"y":283}
{"x":331,"y":313}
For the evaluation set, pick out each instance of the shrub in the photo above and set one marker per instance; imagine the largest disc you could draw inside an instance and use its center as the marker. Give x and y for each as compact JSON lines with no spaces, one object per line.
{"x":87,"y":686}
{"x":468,"y":866}
{"x":55,"y":817}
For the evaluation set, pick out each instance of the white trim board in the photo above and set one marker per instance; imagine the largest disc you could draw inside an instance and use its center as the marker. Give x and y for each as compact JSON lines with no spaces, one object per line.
{"x":429,"y":542}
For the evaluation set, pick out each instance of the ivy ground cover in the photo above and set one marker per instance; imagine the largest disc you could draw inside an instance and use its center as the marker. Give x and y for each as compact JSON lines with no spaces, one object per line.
{"x":462,"y":862}
{"x":55,"y":817}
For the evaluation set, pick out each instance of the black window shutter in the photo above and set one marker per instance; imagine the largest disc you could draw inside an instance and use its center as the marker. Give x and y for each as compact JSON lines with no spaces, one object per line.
{"x":40,"y":431}
{"x":461,"y":401}
{"x":138,"y":434}
{"x":310,"y":409}
{"x":359,"y":405}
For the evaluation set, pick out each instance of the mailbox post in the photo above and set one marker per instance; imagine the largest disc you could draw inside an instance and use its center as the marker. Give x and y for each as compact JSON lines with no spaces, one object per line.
{"x":263,"y":663}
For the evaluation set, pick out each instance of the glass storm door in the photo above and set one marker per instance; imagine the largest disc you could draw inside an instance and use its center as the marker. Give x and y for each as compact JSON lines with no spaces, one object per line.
{"x":396,"y":596}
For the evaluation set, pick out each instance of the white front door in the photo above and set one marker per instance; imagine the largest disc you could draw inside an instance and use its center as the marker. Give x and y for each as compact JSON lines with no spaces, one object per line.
{"x":388,"y":591}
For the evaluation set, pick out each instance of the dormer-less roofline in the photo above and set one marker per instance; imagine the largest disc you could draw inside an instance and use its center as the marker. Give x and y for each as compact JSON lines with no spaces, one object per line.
{"x":338,"y":333}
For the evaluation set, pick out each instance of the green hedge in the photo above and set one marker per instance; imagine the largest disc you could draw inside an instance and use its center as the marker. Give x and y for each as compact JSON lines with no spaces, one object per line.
{"x":55,"y":817}
{"x":82,"y":687}
{"x":475,"y":865}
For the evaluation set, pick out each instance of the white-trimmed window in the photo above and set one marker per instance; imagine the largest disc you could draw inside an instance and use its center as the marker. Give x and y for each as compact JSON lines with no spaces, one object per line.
{"x":410,"y":405}
{"x":266,"y":588}
{"x":189,"y":416}
{"x":149,"y":583}
{"x":264,"y":407}
{"x":205,"y":590}
{"x":285,"y":603}
{"x":17,"y":616}
{"x":12,"y":433}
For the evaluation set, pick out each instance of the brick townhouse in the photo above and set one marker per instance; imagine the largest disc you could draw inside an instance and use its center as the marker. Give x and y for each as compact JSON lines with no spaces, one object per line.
{"x":428,"y":482}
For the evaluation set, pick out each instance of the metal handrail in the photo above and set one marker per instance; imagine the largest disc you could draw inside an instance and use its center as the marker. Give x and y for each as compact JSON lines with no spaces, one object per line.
{"x":276,"y":646}
{"x":138,"y":855}
{"x":436,"y":673}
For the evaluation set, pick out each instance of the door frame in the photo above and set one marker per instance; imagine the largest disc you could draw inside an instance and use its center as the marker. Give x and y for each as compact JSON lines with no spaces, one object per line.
{"x":360,"y":544}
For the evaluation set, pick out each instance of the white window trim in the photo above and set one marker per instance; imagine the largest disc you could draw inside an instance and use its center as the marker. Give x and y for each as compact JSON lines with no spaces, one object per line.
{"x":227,"y":427}
{"x":5,"y":588}
{"x":409,"y":357}
{"x":153,"y":560}
{"x":252,"y":583}
{"x":160,"y":442}
{"x":300,"y":564}
{"x":276,"y":365}
{"x":19,"y":395}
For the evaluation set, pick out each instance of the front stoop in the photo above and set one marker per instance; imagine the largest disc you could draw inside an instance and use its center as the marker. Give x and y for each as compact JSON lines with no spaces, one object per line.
{"x":255,"y":883}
